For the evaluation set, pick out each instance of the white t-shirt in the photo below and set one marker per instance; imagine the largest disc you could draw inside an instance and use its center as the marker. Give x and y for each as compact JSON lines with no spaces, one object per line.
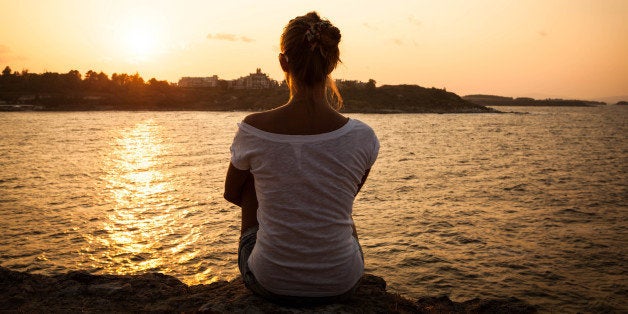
{"x":305,"y":186}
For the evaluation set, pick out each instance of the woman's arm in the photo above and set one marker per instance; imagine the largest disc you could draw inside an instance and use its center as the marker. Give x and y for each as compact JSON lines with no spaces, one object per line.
{"x":240,"y":190}
{"x":366,"y":175}
{"x":234,"y":184}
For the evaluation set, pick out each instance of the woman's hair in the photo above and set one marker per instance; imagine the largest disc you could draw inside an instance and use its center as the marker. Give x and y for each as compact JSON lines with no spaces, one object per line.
{"x":310,"y":45}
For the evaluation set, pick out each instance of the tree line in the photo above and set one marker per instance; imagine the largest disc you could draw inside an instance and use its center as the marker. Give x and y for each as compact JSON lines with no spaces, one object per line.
{"x":73,"y":91}
{"x":121,"y":91}
{"x":53,"y":90}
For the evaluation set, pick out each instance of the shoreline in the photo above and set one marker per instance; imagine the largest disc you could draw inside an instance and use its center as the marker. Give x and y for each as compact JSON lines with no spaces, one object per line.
{"x":155,"y":292}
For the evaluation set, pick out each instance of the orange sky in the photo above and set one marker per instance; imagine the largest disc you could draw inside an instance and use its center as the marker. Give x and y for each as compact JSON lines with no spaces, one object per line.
{"x":537,"y":48}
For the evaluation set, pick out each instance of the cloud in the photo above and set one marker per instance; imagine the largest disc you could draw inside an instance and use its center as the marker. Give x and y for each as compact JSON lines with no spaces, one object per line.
{"x":7,"y":55}
{"x":414,"y":21}
{"x":369,"y":26}
{"x":229,"y":37}
{"x":4,"y":49}
{"x":222,"y":36}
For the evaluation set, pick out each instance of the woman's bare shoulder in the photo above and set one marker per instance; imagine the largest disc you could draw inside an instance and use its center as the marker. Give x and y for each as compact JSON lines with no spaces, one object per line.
{"x":260,"y":120}
{"x":252,"y":119}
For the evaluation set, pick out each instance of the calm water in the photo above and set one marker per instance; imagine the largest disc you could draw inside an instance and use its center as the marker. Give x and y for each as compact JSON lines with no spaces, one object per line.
{"x":474,"y":205}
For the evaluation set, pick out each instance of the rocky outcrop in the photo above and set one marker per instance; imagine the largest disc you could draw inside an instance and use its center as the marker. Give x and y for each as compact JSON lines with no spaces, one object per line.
{"x":407,"y":99}
{"x":80,"y":291}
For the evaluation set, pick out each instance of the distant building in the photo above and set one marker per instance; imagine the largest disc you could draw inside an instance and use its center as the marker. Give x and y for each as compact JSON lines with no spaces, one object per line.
{"x":257,"y":80}
{"x":350,"y":84}
{"x":187,"y":81}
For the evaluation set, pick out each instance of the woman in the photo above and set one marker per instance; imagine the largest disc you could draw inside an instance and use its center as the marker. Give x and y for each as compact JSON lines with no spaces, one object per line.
{"x":303,"y":163}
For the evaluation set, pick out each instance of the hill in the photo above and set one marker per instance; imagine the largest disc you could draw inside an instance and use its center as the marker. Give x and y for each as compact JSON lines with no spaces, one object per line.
{"x":384,"y":99}
{"x":407,"y":98}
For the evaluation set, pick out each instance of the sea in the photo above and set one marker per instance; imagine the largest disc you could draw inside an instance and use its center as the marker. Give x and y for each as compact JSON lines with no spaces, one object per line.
{"x":531,"y":203}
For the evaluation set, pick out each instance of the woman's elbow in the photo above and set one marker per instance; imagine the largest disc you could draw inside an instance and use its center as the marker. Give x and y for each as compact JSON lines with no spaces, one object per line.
{"x":231,"y":197}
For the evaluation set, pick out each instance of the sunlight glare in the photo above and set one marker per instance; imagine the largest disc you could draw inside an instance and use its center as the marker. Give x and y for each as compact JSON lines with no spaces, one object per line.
{"x":137,"y":185}
{"x":141,"y":42}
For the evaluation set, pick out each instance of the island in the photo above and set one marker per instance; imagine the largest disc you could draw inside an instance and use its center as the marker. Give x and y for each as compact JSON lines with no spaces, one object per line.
{"x":492,"y":100}
{"x":80,"y":291}
{"x":72,"y":91}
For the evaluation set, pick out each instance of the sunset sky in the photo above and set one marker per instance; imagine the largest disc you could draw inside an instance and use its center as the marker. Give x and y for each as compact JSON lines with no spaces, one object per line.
{"x":537,"y":48}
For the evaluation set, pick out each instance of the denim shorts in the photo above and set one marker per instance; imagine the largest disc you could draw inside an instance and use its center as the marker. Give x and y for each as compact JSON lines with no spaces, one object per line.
{"x":247,"y":242}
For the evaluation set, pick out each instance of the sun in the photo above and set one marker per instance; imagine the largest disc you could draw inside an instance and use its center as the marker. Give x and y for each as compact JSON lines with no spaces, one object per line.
{"x":141,"y":42}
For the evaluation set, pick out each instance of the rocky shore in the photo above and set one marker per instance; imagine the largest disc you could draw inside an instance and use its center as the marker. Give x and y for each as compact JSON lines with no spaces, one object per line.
{"x":79,"y":291}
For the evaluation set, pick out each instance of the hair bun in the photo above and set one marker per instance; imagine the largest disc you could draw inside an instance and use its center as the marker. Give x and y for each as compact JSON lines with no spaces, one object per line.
{"x":311,"y":44}
{"x":330,"y":36}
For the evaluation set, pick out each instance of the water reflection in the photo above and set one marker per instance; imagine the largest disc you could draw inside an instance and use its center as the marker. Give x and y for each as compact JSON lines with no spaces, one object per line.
{"x":139,"y":218}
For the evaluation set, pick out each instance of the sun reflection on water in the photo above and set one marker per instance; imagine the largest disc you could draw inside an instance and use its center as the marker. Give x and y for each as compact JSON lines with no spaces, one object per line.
{"x":140,"y":217}
{"x":149,"y":217}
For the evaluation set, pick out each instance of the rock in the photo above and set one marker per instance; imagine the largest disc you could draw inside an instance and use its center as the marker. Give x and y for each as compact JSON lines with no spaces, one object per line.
{"x":443,"y":304}
{"x":154,"y":292}
{"x":371,"y":297}
{"x":109,"y":289}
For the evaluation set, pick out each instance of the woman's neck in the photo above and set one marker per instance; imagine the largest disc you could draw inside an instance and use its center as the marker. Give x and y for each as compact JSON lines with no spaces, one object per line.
{"x":313,"y":97}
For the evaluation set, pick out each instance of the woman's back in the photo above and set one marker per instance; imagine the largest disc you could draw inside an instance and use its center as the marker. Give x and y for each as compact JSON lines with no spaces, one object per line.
{"x":305,"y":187}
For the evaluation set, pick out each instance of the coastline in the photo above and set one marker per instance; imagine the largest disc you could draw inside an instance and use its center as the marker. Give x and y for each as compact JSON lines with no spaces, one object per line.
{"x":356,"y":99}
{"x":155,"y":292}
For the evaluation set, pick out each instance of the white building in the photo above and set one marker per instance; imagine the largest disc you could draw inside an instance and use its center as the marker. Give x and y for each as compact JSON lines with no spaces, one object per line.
{"x":187,"y":81}
{"x":257,"y":80}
